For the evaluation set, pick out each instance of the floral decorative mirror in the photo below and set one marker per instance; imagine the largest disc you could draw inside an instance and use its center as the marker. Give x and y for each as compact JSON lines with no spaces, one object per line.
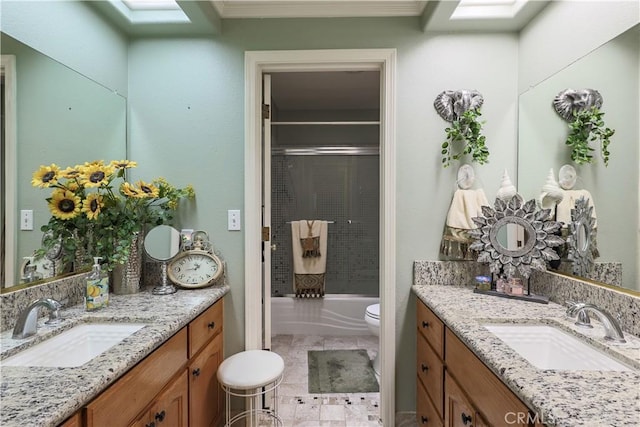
{"x":581,"y":241}
{"x":530,"y":252}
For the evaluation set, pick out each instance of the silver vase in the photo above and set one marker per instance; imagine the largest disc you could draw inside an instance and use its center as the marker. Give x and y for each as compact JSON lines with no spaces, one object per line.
{"x":125,"y":278}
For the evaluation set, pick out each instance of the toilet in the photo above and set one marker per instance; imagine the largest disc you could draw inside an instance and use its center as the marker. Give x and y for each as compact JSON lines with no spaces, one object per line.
{"x":372,"y":317}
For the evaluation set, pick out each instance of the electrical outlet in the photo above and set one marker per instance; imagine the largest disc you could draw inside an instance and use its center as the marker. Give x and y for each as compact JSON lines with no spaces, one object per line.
{"x":234,"y":219}
{"x":26,"y":219}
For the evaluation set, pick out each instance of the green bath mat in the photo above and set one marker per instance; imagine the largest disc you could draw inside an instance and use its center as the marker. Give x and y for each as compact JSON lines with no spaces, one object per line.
{"x":341,"y":371}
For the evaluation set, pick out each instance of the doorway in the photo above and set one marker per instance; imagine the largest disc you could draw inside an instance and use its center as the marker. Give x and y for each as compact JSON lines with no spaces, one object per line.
{"x":259,"y":63}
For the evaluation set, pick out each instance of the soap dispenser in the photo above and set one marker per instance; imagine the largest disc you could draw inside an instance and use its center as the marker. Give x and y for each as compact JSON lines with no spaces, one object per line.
{"x":97,"y":290}
{"x":30,"y":273}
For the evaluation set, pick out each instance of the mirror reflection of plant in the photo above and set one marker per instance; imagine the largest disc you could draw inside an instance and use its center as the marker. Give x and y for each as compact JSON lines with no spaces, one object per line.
{"x":93,"y":216}
{"x":465,"y":132}
{"x":587,"y":127}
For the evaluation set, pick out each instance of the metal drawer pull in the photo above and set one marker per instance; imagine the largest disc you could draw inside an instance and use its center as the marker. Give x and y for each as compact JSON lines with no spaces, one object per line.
{"x":466,"y":418}
{"x":425,"y":368}
{"x":160,"y":416}
{"x":196,"y":372}
{"x":211,"y":325}
{"x":424,"y":419}
{"x":425,"y":324}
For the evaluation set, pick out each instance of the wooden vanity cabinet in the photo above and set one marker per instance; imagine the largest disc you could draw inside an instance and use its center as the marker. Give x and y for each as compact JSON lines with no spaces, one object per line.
{"x":455,"y":384}
{"x":169,"y":409}
{"x":205,"y":394}
{"x":175,"y":386}
{"x":430,"y":368}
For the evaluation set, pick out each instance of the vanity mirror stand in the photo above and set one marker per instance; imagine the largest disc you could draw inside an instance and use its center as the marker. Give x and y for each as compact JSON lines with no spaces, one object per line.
{"x":162,"y":244}
{"x":515,"y":238}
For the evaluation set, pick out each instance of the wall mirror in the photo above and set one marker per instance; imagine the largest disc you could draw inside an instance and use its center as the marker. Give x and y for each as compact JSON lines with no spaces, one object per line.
{"x":614,"y":70}
{"x":61,"y":117}
{"x":161,"y":244}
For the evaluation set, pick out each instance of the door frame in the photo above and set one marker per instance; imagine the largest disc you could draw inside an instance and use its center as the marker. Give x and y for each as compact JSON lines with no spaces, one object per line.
{"x":384,"y":60}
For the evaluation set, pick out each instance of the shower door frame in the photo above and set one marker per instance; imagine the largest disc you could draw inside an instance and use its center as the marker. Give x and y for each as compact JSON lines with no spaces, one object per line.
{"x":258,"y":63}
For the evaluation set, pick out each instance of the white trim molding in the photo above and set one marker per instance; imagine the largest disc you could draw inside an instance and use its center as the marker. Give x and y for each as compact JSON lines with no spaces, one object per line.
{"x":384,"y":60}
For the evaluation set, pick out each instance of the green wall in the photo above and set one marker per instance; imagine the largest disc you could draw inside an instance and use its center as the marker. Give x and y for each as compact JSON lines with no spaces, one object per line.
{"x":186,"y":99}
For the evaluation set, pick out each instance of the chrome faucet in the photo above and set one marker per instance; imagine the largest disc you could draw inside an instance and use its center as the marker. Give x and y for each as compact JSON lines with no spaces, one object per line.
{"x":612,"y":330}
{"x":27,"y":323}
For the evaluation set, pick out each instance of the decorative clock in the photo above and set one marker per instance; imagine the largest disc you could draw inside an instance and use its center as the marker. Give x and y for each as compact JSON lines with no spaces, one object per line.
{"x":197,"y":267}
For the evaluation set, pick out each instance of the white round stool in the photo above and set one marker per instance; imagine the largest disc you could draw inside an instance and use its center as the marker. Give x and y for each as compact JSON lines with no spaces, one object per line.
{"x":251,"y":374}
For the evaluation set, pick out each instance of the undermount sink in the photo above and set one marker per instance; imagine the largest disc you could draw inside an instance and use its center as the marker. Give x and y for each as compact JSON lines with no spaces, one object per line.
{"x":74,"y":347}
{"x":547,"y":347}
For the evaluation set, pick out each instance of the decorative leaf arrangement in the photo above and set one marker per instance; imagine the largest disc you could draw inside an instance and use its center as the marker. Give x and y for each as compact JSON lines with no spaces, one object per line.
{"x":581,"y":109}
{"x":462,"y":109}
{"x":588,"y":127}
{"x":464,"y":137}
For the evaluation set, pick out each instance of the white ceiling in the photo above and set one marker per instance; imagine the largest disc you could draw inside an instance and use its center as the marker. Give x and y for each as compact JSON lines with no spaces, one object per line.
{"x":344,"y":90}
{"x":206,"y":16}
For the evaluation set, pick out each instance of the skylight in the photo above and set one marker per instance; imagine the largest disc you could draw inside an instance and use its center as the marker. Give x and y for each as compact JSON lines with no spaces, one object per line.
{"x":151,"y":4}
{"x":151,"y":11}
{"x":487,"y":9}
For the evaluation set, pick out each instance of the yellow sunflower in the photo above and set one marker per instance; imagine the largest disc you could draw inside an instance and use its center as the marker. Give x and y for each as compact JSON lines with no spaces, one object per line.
{"x":64,"y":204}
{"x":149,"y":190}
{"x":46,"y":176}
{"x":96,"y":175}
{"x":123,"y":164}
{"x":92,"y":205}
{"x":129,"y":190}
{"x":71,"y":172}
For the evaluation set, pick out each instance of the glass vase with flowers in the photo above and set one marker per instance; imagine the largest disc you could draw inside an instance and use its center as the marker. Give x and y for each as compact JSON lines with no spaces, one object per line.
{"x":93,"y":214}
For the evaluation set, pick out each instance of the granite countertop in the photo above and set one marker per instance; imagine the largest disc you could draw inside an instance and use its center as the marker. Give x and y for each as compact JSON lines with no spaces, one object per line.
{"x":40,"y":396}
{"x":562,"y":398}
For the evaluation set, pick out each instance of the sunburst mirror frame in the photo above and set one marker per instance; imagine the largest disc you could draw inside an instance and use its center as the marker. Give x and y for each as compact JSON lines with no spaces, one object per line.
{"x":581,"y":240}
{"x":540,"y":237}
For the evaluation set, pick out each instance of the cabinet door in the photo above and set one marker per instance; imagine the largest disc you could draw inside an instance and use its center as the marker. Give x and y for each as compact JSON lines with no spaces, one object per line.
{"x":426,"y":413}
{"x":132,"y":393}
{"x":74,"y":421}
{"x":458,"y":410}
{"x":430,"y":371}
{"x":205,"y":394}
{"x":205,"y":327}
{"x":170,"y":407}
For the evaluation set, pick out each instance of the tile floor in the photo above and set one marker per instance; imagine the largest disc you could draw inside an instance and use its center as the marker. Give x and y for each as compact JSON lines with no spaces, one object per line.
{"x":299,"y":408}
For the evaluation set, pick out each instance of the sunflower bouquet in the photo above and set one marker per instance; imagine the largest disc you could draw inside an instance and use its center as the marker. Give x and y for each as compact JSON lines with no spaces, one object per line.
{"x":94,"y":215}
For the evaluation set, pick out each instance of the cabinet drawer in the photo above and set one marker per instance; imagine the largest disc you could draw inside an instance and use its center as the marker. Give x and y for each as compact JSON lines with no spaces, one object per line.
{"x":426,"y":413}
{"x":205,"y":327}
{"x":430,"y":371}
{"x":122,"y":401}
{"x":431,"y":328}
{"x":486,"y":391}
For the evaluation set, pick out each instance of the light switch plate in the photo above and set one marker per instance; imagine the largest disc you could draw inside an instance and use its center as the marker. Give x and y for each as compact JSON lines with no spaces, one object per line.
{"x":26,"y":219}
{"x":234,"y":219}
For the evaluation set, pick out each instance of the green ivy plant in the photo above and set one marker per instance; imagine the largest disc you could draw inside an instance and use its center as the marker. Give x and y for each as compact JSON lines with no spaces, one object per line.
{"x":587,"y":127}
{"x":464,"y":137}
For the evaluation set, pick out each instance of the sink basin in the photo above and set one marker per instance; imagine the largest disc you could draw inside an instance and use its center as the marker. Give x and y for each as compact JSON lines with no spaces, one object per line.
{"x":547,"y":347}
{"x":74,"y":347}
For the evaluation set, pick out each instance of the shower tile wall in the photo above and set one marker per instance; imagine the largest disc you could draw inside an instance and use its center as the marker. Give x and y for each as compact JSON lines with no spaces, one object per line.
{"x":339,"y":188}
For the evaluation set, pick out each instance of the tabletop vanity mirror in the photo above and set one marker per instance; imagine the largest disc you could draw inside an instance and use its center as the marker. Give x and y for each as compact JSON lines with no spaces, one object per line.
{"x":514,"y":238}
{"x":162,"y":244}
{"x":581,"y":240}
